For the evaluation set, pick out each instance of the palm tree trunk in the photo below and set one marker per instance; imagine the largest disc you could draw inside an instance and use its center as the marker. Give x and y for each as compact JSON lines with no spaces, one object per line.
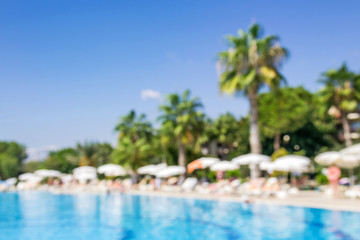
{"x":277,"y":142}
{"x":181,"y":156}
{"x":346,"y":128}
{"x":255,"y":144}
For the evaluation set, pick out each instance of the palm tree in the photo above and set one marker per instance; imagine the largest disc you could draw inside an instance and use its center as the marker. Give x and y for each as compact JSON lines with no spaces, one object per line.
{"x":341,"y":93}
{"x":87,"y":154}
{"x":93,"y":153}
{"x":134,"y":142}
{"x":283,"y":111}
{"x":223,"y":130}
{"x":182,"y":121}
{"x":250,"y":63}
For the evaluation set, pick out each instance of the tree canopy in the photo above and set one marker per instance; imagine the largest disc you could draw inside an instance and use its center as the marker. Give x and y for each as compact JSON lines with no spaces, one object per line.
{"x":251,"y":62}
{"x":12,"y":155}
{"x":182,"y":120}
{"x":134,"y":147}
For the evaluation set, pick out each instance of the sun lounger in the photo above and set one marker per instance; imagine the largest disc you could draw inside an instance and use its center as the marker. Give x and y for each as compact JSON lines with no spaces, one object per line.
{"x":271,"y":187}
{"x":189,"y":184}
{"x":353,"y":192}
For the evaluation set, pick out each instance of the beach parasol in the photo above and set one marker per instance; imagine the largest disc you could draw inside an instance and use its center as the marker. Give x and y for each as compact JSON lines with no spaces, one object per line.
{"x":346,"y":158}
{"x":251,"y":158}
{"x":30,"y":177}
{"x":85,"y":173}
{"x":151,"y":169}
{"x":47,"y":173}
{"x":201,"y":163}
{"x":112,"y":170}
{"x":170,"y":171}
{"x":224,"y":166}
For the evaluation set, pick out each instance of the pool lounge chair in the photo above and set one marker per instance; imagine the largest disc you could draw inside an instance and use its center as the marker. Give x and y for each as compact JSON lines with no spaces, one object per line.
{"x":189,"y":184}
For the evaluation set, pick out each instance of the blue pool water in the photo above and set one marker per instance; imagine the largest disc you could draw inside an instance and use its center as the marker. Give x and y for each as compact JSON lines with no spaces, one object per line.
{"x":40,"y":216}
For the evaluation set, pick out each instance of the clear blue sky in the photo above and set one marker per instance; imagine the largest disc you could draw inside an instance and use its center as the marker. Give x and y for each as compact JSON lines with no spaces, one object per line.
{"x":70,"y":69}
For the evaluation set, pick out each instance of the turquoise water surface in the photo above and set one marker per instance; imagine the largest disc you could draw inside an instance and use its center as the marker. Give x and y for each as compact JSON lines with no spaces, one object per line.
{"x":41,"y":215}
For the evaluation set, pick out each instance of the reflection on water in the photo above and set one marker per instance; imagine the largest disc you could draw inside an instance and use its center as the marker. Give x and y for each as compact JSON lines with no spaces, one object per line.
{"x":41,"y":216}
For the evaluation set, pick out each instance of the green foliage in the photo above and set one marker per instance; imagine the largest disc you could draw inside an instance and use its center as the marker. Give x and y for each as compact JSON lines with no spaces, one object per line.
{"x":31,"y":166}
{"x":284,"y":110}
{"x":164,"y":148}
{"x":279,"y":153}
{"x":310,"y":128}
{"x":342,"y":89}
{"x":103,"y":154}
{"x":132,"y":154}
{"x":94,"y":154}
{"x":64,"y":160}
{"x":226,"y":129}
{"x":229,"y":132}
{"x":210,"y":133}
{"x":322,"y":179}
{"x":134,"y":126}
{"x":308,"y":138}
{"x":135,"y":142}
{"x":241,"y":145}
{"x":233,"y":174}
{"x":9,"y":166}
{"x":13,"y":149}
{"x":251,"y":61}
{"x":181,"y":118}
{"x":320,"y":117}
{"x":181,"y":121}
{"x":211,"y":176}
{"x":11,"y":156}
{"x":341,"y":95}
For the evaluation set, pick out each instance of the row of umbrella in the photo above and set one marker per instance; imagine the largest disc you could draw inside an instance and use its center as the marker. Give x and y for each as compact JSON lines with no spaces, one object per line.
{"x":290,"y":163}
{"x":80,"y":173}
{"x":347,"y":158}
{"x":88,"y":173}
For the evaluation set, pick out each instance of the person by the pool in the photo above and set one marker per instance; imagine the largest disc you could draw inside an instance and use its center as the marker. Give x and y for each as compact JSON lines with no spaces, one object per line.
{"x":333,"y":174}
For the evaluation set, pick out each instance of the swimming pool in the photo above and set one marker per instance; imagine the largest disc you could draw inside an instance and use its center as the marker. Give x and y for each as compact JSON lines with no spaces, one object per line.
{"x":41,"y":215}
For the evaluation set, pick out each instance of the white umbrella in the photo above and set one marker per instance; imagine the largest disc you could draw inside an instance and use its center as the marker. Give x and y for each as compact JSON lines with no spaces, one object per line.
{"x":251,"y":158}
{"x":30,"y":177}
{"x":347,"y":158}
{"x":353,"y":150}
{"x":291,"y":163}
{"x":328,"y":158}
{"x":111,"y":170}
{"x":151,"y":169}
{"x":201,"y":163}
{"x":290,"y":167}
{"x":224,"y":166}
{"x":349,"y":161}
{"x":170,"y":171}
{"x":85,"y":173}
{"x":207,"y":161}
{"x":338,"y":158}
{"x":266,"y":166}
{"x":47,"y":173}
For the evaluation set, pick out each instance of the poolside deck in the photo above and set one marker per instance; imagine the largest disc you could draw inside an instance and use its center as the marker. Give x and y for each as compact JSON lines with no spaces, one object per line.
{"x":311,"y":199}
